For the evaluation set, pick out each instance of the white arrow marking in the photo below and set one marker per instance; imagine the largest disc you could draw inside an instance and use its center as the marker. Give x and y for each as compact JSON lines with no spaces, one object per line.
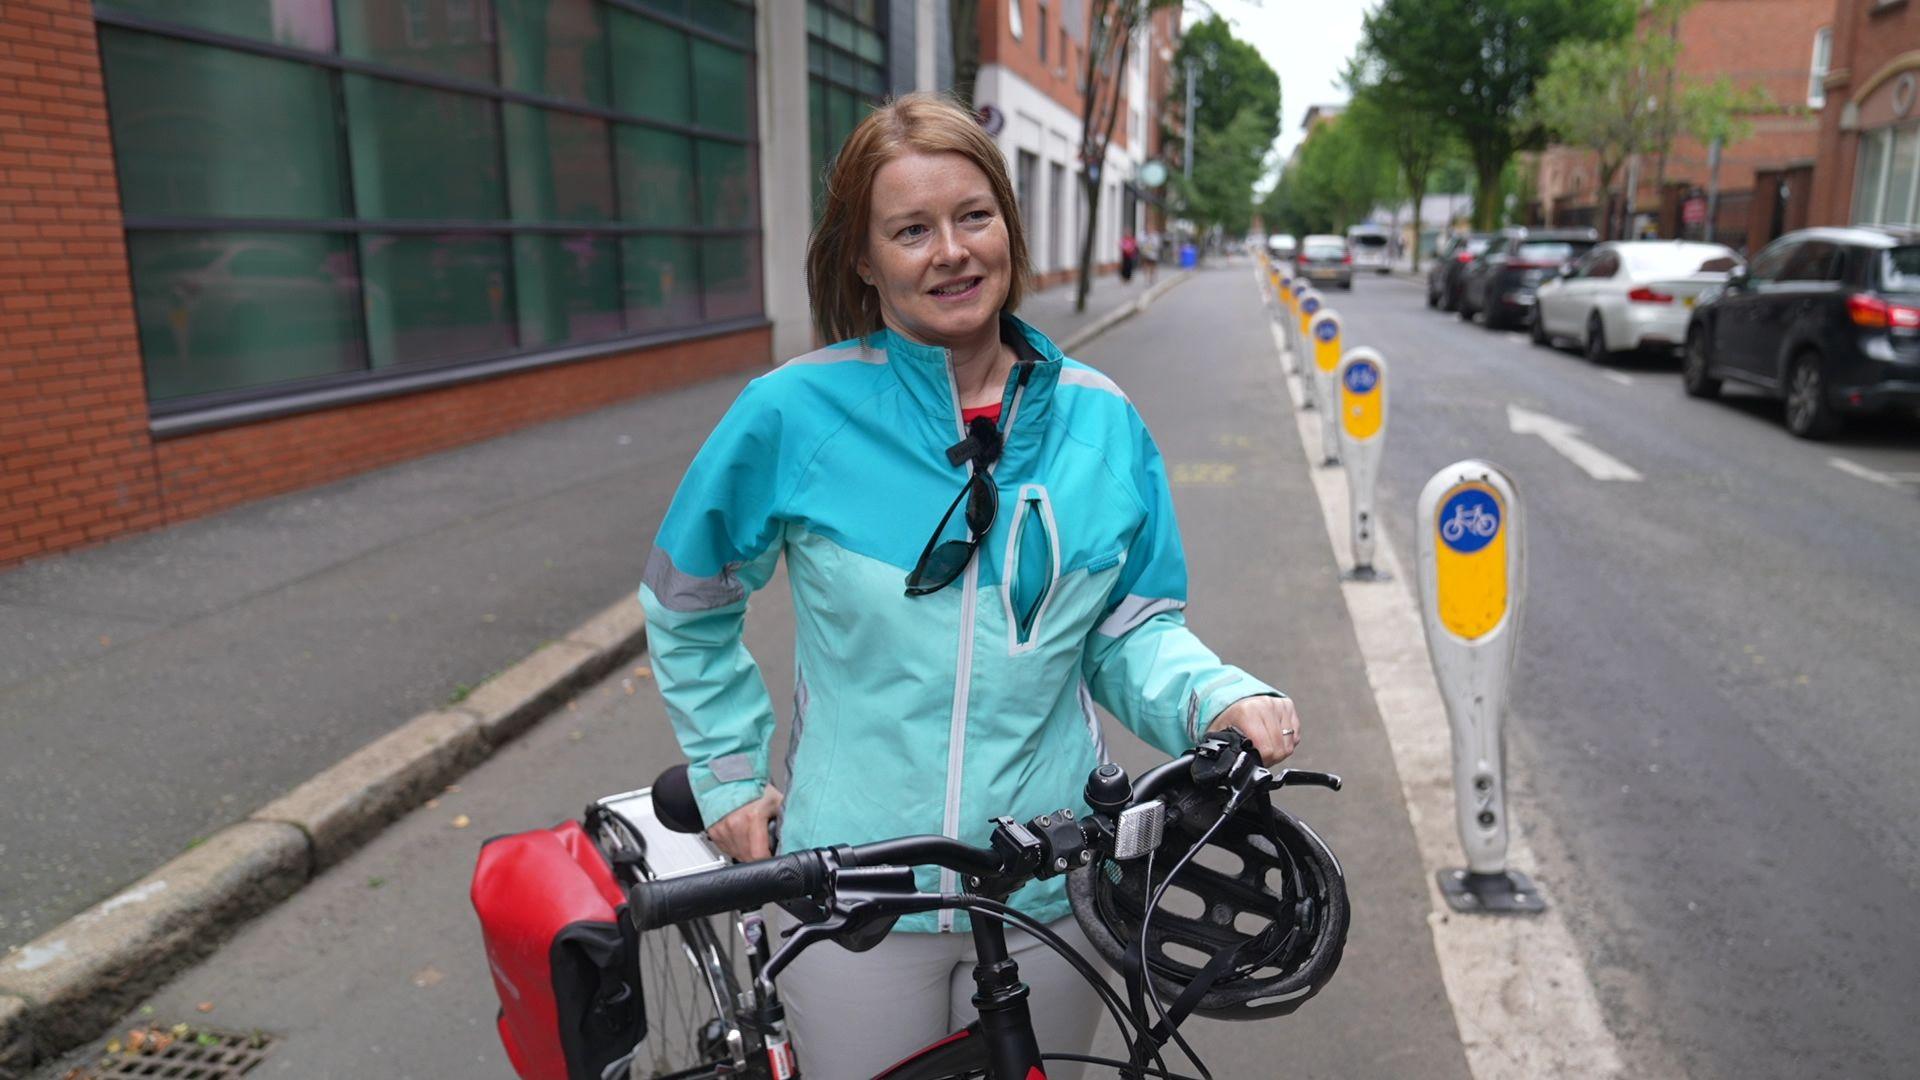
{"x":1565,"y":438}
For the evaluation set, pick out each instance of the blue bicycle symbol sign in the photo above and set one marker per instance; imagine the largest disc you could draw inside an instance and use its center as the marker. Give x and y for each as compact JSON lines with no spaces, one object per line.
{"x":1310,"y":305}
{"x":1327,"y":330}
{"x":1469,"y":520}
{"x":1362,"y":376}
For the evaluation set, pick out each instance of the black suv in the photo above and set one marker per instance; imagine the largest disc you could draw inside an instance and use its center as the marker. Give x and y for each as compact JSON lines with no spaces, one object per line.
{"x":1828,"y":319}
{"x":1502,"y":279}
{"x":1450,"y":260}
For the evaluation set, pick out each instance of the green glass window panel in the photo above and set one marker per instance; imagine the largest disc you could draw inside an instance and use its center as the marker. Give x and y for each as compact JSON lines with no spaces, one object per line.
{"x":868,"y":45}
{"x":656,"y":176}
{"x":431,"y":299}
{"x":870,"y":80}
{"x":445,"y":37}
{"x":567,"y":289}
{"x":661,"y":277}
{"x":420,"y":153}
{"x":843,"y":106}
{"x":560,"y":165}
{"x":650,"y":69}
{"x":816,"y":58}
{"x":555,"y":47}
{"x":231,"y":310}
{"x":199,"y":130}
{"x":302,"y":24}
{"x":840,"y":67}
{"x":730,"y":274}
{"x":724,"y":18}
{"x":676,"y":8}
{"x":726,"y":184}
{"x":816,"y":20}
{"x":839,"y":31}
{"x":722,"y":88}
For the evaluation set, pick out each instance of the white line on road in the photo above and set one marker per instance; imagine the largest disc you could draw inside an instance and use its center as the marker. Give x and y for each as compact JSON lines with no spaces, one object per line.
{"x":1615,"y":376}
{"x":1519,"y":339}
{"x":1854,"y":468}
{"x":1522,"y":1001}
{"x":1565,"y":438}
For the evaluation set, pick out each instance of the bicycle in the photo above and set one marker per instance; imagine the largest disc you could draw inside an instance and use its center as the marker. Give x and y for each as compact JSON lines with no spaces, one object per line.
{"x":1216,"y":794}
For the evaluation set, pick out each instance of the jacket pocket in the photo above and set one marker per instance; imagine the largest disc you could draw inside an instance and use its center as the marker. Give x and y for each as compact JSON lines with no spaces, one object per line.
{"x":1033,"y":564}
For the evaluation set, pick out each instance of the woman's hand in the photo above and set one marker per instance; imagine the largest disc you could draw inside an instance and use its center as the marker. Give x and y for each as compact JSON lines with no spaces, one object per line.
{"x":743,"y":834}
{"x":1269,"y":722}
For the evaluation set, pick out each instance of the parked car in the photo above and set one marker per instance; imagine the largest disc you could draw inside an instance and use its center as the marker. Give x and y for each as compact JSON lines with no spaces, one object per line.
{"x":1325,"y":257}
{"x":1372,"y":247}
{"x":1450,"y":259}
{"x":1282,"y":246}
{"x":1827,"y":319}
{"x":1633,"y":294}
{"x":1500,"y":280}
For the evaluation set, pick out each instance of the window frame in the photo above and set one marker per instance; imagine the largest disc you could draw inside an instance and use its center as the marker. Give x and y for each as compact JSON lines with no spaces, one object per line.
{"x":1817,"y":70}
{"x":225,"y":407}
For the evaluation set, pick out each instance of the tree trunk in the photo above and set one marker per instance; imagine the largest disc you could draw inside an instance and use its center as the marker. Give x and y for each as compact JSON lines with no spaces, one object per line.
{"x":1419,"y":196}
{"x":1091,"y":185}
{"x":1488,"y":165}
{"x":963,"y":25}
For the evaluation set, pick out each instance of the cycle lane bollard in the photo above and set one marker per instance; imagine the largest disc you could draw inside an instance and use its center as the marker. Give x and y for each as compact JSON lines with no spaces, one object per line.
{"x":1306,"y":306}
{"x":1472,"y":581}
{"x":1361,"y":383}
{"x":1323,"y":344}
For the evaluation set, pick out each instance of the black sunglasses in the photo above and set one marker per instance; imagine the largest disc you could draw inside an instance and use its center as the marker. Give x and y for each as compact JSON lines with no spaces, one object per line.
{"x":940,"y":563}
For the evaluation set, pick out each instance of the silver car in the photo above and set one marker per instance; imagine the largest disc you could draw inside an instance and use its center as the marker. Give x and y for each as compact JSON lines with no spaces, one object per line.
{"x":1325,"y":258}
{"x":1628,"y":295}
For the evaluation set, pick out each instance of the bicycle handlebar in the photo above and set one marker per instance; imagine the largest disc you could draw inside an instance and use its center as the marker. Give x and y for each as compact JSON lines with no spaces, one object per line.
{"x":655,"y":904}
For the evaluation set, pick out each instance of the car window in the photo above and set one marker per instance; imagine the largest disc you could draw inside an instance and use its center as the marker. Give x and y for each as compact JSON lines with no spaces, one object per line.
{"x":1900,"y":269}
{"x":1370,"y":241}
{"x":1605,"y":264}
{"x":1545,"y":251}
{"x":1812,"y":260}
{"x":1767,"y":265}
{"x":1321,"y":250}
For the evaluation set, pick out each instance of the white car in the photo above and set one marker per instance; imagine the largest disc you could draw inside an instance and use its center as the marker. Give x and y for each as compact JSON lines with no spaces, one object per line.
{"x":1281,"y":246}
{"x":1630,"y":294}
{"x":1372,"y":248}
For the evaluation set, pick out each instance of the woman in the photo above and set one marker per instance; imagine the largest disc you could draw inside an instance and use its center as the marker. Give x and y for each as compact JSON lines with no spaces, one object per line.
{"x":947,"y":678}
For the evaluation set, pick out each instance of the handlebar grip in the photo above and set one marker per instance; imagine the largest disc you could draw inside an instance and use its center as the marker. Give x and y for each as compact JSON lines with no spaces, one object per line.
{"x":655,"y":904}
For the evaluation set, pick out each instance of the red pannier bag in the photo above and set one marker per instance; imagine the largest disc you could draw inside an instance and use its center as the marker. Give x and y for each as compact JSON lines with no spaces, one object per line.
{"x":564,"y":956}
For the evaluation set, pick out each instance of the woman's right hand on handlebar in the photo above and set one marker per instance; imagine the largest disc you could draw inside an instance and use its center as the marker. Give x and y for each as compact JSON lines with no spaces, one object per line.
{"x":744,"y":834}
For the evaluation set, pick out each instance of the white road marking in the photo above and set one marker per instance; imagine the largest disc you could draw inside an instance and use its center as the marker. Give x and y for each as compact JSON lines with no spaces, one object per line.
{"x":1565,"y":438}
{"x":1519,"y":338}
{"x":1522,"y":1002}
{"x":1615,"y":376}
{"x":1892,"y":480}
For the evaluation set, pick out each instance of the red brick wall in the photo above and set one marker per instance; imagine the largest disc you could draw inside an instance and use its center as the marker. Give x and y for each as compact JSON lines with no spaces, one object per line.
{"x":1867,"y":42}
{"x":77,"y":463}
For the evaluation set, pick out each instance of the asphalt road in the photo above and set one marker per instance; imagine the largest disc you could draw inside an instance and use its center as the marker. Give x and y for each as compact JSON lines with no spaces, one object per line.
{"x":376,"y":968}
{"x":1714,"y":713}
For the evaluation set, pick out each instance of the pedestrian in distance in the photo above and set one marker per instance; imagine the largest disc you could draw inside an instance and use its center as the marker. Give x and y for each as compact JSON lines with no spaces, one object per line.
{"x":945,"y":677}
{"x":1129,"y":254}
{"x":1150,"y":254}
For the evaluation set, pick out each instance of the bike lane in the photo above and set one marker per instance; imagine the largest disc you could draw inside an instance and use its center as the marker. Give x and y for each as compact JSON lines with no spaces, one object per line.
{"x":376,"y":968}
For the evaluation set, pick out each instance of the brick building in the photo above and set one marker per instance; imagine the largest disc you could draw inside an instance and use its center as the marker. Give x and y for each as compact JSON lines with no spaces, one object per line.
{"x":1869,"y":153}
{"x":1773,"y":46}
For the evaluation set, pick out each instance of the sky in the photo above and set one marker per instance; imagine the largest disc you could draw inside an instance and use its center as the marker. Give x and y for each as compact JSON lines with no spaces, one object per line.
{"x":1308,"y":42}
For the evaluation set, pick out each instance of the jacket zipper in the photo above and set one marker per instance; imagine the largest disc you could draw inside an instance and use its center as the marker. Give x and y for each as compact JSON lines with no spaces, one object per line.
{"x":963,"y":674}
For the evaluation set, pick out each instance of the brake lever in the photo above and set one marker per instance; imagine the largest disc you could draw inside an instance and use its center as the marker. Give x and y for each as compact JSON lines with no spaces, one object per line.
{"x":1300,"y":777}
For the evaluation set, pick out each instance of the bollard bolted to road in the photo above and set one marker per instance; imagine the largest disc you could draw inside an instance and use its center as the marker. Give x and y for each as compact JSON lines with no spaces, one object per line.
{"x":1308,"y":306}
{"x":1323,"y":345}
{"x":1361,"y":385}
{"x":1472,"y":582}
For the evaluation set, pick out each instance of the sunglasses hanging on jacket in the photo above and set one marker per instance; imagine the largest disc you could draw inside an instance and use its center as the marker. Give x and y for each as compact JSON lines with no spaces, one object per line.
{"x":941,"y":563}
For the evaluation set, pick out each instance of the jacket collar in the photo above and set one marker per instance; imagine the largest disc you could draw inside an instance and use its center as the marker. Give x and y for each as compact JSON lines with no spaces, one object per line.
{"x":926,"y":373}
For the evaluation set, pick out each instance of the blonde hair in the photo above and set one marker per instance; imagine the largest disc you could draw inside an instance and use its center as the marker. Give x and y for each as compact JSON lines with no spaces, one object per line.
{"x":845,"y":306}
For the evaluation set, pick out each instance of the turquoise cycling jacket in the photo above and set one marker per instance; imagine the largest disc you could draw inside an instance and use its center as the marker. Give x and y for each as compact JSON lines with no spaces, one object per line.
{"x":930,"y":714}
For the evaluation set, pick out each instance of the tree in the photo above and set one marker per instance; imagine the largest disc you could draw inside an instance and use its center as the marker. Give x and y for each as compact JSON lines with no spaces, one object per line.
{"x":1112,"y":27}
{"x":1472,"y":66}
{"x":1234,"y":122}
{"x":1338,"y":177}
{"x":963,"y":29}
{"x":1383,"y":115}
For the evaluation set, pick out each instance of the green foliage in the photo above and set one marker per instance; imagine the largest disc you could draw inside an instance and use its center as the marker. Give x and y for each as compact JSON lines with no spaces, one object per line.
{"x":1236,"y":118}
{"x":1339,"y":176}
{"x":1472,"y":65}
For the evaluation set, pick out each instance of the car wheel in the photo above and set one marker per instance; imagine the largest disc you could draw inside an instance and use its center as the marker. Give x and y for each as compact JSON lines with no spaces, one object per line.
{"x":1537,"y":328}
{"x":1433,"y":300}
{"x":1693,"y":369}
{"x":1809,"y":415}
{"x":1596,"y":343}
{"x":1449,"y":297}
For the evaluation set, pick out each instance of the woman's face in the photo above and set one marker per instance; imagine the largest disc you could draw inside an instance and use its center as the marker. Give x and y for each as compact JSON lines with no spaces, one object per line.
{"x":937,"y":250}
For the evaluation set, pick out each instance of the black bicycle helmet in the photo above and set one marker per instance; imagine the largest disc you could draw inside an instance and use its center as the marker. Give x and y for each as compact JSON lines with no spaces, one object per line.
{"x":1271,"y":932}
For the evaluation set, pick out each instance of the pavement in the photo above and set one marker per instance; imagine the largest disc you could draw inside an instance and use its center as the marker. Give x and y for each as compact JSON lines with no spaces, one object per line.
{"x":196,"y":722}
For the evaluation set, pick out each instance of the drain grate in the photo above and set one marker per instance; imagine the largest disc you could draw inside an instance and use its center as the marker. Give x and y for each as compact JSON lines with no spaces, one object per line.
{"x":194,"y":1055}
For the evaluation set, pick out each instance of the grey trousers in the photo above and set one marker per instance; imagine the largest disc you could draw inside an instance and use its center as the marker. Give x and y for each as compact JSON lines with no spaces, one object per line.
{"x":854,"y":1014}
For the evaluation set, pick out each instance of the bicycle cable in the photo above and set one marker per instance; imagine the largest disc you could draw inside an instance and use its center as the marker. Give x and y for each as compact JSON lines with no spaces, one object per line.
{"x":1153,"y":905}
{"x":1121,"y":1016}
